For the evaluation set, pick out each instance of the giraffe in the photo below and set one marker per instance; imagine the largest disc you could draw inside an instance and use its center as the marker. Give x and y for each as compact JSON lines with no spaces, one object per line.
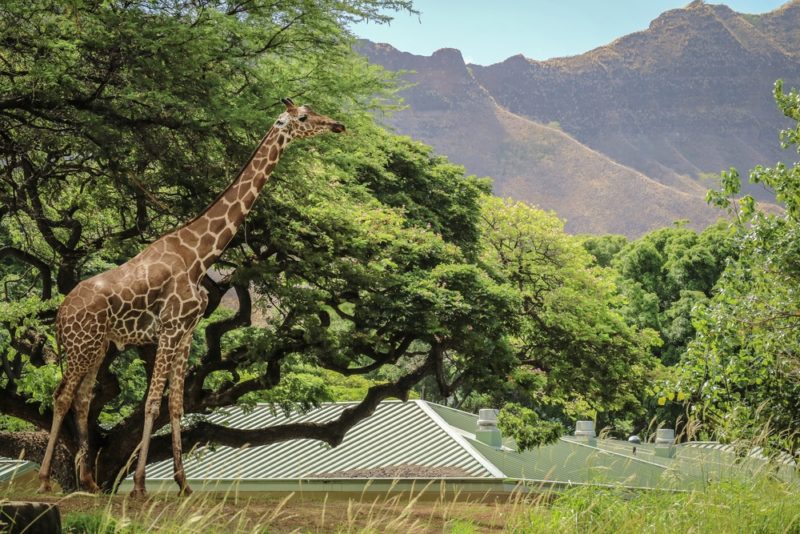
{"x":156,"y":298}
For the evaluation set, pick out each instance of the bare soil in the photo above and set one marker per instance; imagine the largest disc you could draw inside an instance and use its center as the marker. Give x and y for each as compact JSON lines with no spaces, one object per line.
{"x":284,"y":513}
{"x":401,"y":471}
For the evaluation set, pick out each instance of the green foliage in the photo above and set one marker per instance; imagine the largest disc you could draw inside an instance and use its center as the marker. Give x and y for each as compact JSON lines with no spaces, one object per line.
{"x":132,"y":377}
{"x":579,"y":356}
{"x":604,"y":247}
{"x":665,"y":274}
{"x":296,"y":390}
{"x":39,"y":383}
{"x":94,"y":523}
{"x":526,"y":427}
{"x":760,"y":505}
{"x":460,"y":526}
{"x":742,"y":367}
{"x":13,"y":424}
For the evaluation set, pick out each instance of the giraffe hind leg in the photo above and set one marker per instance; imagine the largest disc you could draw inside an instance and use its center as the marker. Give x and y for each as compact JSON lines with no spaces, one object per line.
{"x":80,"y":408}
{"x":62,"y":401}
{"x":176,"y":382}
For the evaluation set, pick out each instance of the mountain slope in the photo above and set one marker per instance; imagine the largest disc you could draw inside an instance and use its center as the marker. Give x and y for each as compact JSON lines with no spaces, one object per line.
{"x":540,"y":164}
{"x":689,"y":95}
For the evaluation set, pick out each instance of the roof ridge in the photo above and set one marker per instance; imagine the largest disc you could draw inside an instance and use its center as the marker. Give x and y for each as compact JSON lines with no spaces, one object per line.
{"x":450,"y":408}
{"x":613,"y":453}
{"x":458,"y":438}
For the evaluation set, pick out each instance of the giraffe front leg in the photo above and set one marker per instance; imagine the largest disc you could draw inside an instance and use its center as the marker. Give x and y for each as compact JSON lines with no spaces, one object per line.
{"x":176,"y":412}
{"x":167,"y":345}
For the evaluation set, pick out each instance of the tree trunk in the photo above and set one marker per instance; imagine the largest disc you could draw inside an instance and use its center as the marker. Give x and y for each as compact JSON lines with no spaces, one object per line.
{"x":111,"y":453}
{"x":117,"y":459}
{"x":31,"y":446}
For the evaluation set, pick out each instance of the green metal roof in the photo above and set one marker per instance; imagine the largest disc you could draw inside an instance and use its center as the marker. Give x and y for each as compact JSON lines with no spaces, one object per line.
{"x":10,"y":469}
{"x":398,"y":435}
{"x":420,"y":440}
{"x":416,"y":441}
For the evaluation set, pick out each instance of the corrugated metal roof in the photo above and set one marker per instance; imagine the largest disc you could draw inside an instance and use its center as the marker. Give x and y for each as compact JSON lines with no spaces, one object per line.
{"x":567,"y":461}
{"x":9,"y":469}
{"x":396,"y":434}
{"x":456,"y":418}
{"x":422,"y":434}
{"x":753,"y":452}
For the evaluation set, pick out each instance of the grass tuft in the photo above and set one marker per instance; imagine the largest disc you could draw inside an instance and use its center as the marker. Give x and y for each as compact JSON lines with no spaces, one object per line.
{"x":759,"y":504}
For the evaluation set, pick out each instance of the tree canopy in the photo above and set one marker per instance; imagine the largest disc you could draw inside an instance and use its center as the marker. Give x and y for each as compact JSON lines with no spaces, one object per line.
{"x":370,"y":267}
{"x":663,"y":275}
{"x":120,"y":120}
{"x":577,"y":356}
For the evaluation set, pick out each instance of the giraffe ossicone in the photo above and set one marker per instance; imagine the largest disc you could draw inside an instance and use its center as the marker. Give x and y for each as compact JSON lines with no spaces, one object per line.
{"x":156,"y":298}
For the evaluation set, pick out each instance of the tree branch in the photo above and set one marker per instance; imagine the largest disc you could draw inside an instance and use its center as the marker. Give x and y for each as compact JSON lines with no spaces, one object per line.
{"x":378,"y":359}
{"x":44,"y":269}
{"x":332,"y":432}
{"x":215,"y":331}
{"x":232,"y":394}
{"x":19,"y":406}
{"x":31,"y":446}
{"x":137,"y":228}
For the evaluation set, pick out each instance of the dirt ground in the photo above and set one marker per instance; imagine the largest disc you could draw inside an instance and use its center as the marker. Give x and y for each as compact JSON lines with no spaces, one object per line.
{"x":283,"y":513}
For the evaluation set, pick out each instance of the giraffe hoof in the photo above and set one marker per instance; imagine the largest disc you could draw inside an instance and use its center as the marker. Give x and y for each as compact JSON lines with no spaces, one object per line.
{"x":138,"y":493}
{"x":92,"y":488}
{"x":185,"y":491}
{"x":45,"y":487}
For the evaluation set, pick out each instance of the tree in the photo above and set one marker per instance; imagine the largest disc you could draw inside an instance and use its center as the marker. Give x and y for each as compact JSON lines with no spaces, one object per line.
{"x":742,"y":369}
{"x":120,"y":120}
{"x":604,"y":247}
{"x":578,"y":357}
{"x":665,"y":274}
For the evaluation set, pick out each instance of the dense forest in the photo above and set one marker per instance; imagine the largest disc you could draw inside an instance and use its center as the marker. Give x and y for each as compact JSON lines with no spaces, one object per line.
{"x":370,"y":267}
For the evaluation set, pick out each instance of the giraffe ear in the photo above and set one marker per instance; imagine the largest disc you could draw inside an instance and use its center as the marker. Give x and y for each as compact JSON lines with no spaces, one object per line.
{"x":288,"y":103}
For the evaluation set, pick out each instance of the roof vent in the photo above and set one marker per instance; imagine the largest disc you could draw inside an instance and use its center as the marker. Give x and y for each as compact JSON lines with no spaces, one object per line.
{"x":487,"y":431}
{"x":665,"y":436}
{"x":665,"y":442}
{"x":584,"y":431}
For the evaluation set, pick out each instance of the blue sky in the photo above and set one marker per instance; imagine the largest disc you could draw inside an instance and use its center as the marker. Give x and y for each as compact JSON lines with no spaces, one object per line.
{"x":490,"y":31}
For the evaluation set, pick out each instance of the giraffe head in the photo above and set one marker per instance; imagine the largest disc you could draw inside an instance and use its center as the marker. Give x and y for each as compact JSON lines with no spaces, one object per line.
{"x":298,"y":122}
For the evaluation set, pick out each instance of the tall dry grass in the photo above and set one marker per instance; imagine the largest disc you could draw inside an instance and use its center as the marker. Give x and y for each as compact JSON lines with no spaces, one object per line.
{"x":758,"y":505}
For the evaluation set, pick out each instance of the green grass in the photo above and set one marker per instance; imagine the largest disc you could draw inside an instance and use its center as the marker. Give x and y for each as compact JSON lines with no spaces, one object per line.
{"x":94,"y":523}
{"x":737,"y":506}
{"x":759,"y":505}
{"x":459,"y":526}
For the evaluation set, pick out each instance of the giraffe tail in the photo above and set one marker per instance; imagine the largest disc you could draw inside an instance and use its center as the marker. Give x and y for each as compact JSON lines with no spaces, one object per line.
{"x":57,"y":356}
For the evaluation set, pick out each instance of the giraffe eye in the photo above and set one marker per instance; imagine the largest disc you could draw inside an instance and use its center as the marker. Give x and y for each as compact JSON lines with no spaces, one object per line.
{"x":302,"y":118}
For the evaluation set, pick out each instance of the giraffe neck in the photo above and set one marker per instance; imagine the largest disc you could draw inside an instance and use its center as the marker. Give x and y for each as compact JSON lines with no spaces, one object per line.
{"x":211,"y":231}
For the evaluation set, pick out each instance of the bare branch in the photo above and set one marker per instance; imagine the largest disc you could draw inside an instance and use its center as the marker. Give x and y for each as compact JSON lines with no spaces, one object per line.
{"x":215,"y":331}
{"x":332,"y":432}
{"x":30,"y":259}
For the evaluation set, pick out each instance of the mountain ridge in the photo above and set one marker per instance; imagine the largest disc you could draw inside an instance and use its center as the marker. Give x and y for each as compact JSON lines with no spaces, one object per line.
{"x":444,"y":106}
{"x":642,"y":119}
{"x":706,"y":66}
{"x":694,"y":5}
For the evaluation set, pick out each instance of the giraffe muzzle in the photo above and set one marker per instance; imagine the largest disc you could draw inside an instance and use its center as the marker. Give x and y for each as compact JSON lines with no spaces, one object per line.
{"x":337,"y":127}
